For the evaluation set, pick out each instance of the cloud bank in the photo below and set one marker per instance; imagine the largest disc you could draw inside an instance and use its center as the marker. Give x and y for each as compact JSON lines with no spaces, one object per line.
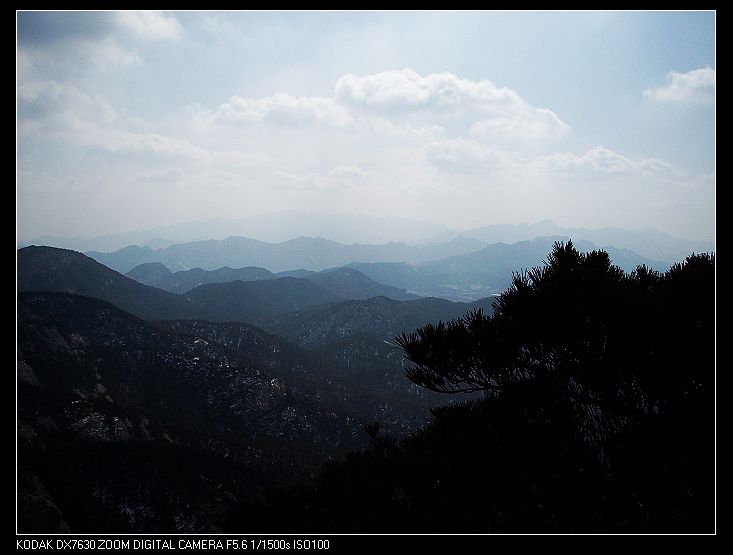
{"x":136,"y":119}
{"x":694,"y":87}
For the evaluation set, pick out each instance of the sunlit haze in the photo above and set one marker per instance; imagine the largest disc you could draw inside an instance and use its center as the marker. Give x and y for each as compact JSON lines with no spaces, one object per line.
{"x":129,"y":121}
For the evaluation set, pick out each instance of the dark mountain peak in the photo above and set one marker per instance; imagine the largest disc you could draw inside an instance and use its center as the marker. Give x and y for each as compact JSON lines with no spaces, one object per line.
{"x":183,"y":281}
{"x":150,"y":273}
{"x":379,"y":317}
{"x":40,"y":266}
{"x":255,"y":301}
{"x":57,"y":252}
{"x":152,"y":267}
{"x":350,"y":283}
{"x":66,"y":271}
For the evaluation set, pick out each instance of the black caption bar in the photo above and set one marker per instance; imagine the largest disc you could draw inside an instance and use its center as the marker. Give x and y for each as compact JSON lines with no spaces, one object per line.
{"x":173,"y":543}
{"x":247,"y":543}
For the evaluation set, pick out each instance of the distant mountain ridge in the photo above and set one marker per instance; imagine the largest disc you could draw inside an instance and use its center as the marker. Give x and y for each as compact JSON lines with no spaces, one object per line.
{"x":347,"y":283}
{"x":275,"y":227}
{"x":308,"y":253}
{"x":648,"y":243}
{"x":65,"y":271}
{"x":158,"y":275}
{"x":485,"y":272}
{"x":151,"y":273}
{"x":50,"y":269}
{"x":360,"y":229}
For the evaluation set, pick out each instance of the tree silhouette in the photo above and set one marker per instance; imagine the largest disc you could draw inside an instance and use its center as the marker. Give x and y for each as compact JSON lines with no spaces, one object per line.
{"x":605,"y":370}
{"x":597,"y":413}
{"x":582,"y":323}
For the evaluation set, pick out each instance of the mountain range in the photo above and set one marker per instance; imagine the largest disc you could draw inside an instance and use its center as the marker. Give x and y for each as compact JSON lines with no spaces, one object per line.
{"x":485,"y":272}
{"x":307,"y":253}
{"x":470,"y":272}
{"x":347,"y":283}
{"x":464,"y":277}
{"x":648,"y":243}
{"x":66,"y":271}
{"x":172,"y":410}
{"x":262,"y":302}
{"x":277,"y":227}
{"x":350,"y":229}
{"x":145,"y":424}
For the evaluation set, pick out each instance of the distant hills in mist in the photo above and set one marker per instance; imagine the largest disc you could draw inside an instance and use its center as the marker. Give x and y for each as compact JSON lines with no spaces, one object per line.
{"x":367,"y":230}
{"x":460,"y":269}
{"x":306,"y":253}
{"x":278,"y":227}
{"x":462,"y":266}
{"x":648,"y":243}
{"x":262,"y":302}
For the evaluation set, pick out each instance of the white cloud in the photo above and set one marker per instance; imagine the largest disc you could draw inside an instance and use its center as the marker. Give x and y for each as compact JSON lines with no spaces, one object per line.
{"x":493,"y":112}
{"x":405,"y":103}
{"x":284,"y":109}
{"x":107,"y":53}
{"x":113,"y":139}
{"x":601,"y":160}
{"x":468,"y":156}
{"x":694,"y":87}
{"x":151,"y":25}
{"x":63,"y":112}
{"x":533,"y":125}
{"x":406,"y":89}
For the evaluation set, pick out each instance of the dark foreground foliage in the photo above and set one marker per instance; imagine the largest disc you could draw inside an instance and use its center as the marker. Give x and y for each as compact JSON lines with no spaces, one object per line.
{"x":598,"y":415}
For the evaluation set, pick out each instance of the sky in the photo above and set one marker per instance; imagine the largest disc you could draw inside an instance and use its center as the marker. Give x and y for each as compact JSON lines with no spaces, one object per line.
{"x":133,"y":120}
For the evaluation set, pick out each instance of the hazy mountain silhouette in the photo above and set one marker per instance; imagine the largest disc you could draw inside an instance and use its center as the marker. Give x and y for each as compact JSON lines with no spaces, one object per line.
{"x":425,"y":270}
{"x":65,"y":271}
{"x":304,"y":252}
{"x":484,"y":272}
{"x":277,"y":227}
{"x":349,"y":283}
{"x":150,"y":273}
{"x":299,"y":273}
{"x":648,"y":243}
{"x":346,"y":283}
{"x":60,"y":270}
{"x":284,"y":226}
{"x":253,"y":301}
{"x":179,"y":282}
